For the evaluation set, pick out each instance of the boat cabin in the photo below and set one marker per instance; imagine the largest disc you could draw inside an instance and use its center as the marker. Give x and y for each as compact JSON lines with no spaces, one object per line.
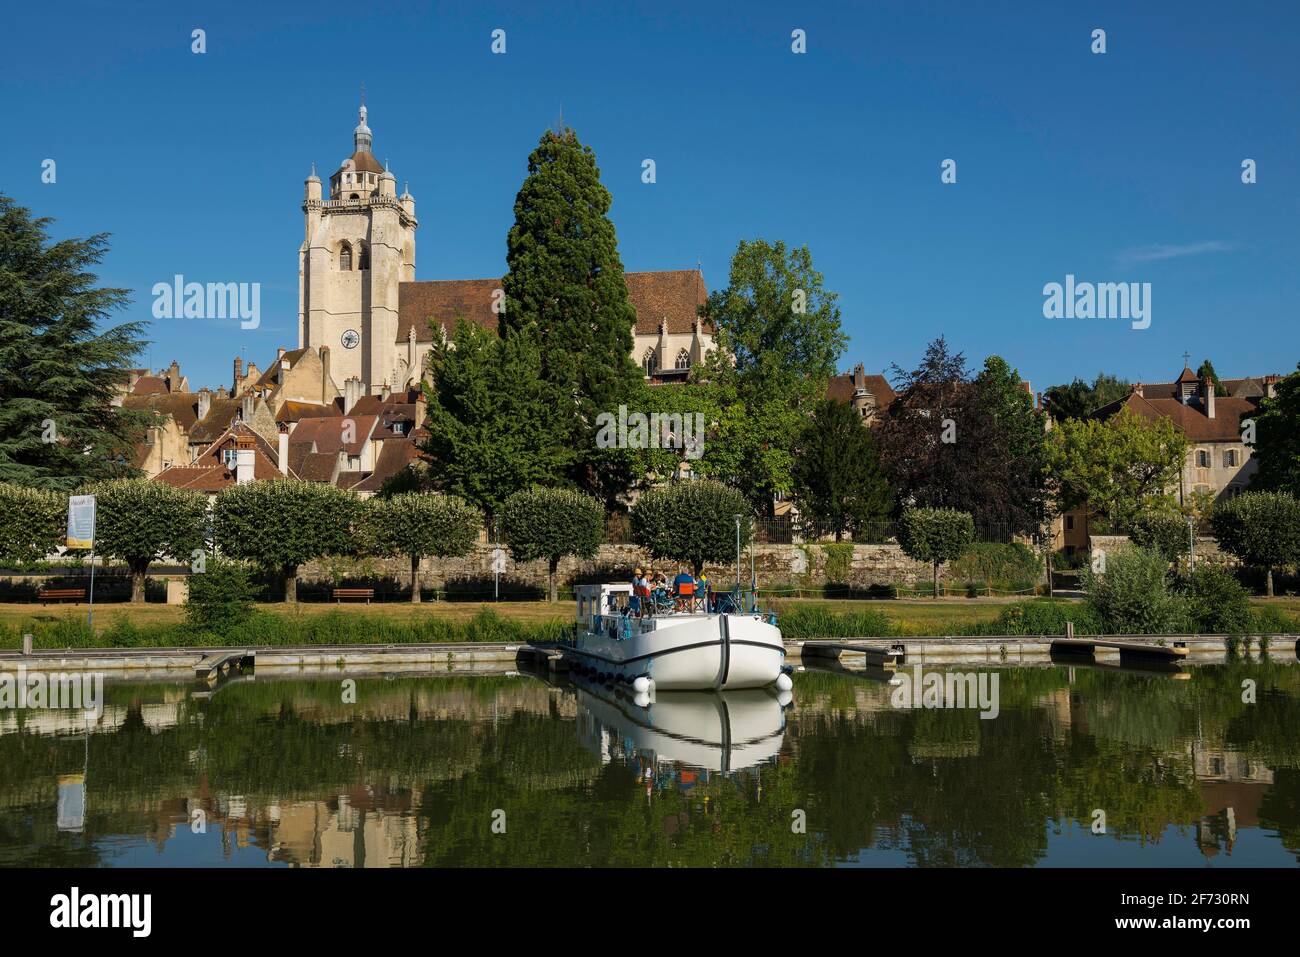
{"x":595,"y":601}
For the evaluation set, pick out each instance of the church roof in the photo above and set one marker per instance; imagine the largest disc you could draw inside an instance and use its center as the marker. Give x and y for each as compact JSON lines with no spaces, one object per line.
{"x":673,"y":296}
{"x":365,"y":162}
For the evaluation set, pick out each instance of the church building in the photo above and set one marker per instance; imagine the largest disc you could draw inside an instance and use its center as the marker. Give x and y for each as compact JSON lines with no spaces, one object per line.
{"x":358,"y":296}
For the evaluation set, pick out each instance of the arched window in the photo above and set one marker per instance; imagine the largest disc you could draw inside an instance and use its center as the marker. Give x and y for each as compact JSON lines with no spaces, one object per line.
{"x":363,"y":256}
{"x":345,"y":258}
{"x":648,"y":361}
{"x":683,"y":360}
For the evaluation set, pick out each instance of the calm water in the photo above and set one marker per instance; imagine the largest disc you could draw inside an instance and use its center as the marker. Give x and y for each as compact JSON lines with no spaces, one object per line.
{"x":427,"y":771}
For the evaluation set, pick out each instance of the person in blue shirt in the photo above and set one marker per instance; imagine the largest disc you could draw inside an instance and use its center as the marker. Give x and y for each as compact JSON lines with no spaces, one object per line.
{"x":684,"y":586}
{"x":634,"y":603}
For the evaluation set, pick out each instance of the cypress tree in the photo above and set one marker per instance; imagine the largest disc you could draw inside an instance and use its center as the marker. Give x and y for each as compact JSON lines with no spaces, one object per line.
{"x":565,"y":280}
{"x":58,"y":371}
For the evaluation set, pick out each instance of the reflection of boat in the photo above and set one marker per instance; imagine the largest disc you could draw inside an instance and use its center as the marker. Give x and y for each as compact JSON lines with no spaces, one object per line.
{"x":677,"y":651}
{"x":726,"y":731}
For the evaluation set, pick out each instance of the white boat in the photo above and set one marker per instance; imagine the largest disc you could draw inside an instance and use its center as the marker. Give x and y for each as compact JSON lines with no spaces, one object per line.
{"x":677,"y":651}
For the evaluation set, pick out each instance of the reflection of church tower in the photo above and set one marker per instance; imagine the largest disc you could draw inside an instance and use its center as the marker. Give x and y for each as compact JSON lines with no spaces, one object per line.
{"x":359,"y":246}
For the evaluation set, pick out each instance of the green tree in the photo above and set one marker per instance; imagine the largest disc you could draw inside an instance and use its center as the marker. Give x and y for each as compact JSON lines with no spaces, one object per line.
{"x":551,"y":524}
{"x":1118,"y":468}
{"x":1207,"y":369}
{"x":140,"y":522}
{"x":1079,"y":399}
{"x":778,"y":337}
{"x":1277,"y":438}
{"x":420,"y":524}
{"x":691,"y":522}
{"x":564,"y":280}
{"x":493,"y":423}
{"x":1262,"y":529}
{"x":58,"y":371}
{"x":1131,"y":595}
{"x":283,"y":524}
{"x":935,"y":535}
{"x":33,"y":523}
{"x":838,"y":481}
{"x":1165,"y":532}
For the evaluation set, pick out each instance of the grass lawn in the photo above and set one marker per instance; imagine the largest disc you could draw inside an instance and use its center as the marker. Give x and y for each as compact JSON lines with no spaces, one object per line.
{"x":915,"y":616}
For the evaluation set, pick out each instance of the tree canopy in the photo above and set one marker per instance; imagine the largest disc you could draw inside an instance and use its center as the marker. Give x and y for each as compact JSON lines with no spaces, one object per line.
{"x":691,"y":522}
{"x":548,"y":523}
{"x":839,"y":484}
{"x":140,"y":522}
{"x":59,"y":370}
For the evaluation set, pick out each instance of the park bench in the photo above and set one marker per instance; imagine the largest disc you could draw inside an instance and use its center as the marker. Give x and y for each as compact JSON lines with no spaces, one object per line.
{"x":353,"y":594}
{"x":47,"y":595}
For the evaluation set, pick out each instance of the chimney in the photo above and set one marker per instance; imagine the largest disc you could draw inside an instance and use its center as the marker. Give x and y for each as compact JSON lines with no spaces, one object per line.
{"x":325,"y":381}
{"x":1137,"y":390}
{"x":859,"y":377}
{"x":132,"y":377}
{"x":351,"y":393}
{"x":1270,"y":385}
{"x":283,"y":456}
{"x":205,"y":403}
{"x":385,"y":391}
{"x":244,"y":459}
{"x":248,"y":407}
{"x":1207,"y":396}
{"x":239,"y":374}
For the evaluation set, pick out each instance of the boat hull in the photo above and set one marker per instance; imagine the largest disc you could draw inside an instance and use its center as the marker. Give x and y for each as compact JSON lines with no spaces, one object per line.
{"x":685,"y":652}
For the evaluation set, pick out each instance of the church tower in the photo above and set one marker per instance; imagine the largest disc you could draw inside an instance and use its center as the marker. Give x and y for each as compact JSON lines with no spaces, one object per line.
{"x":358,"y":248}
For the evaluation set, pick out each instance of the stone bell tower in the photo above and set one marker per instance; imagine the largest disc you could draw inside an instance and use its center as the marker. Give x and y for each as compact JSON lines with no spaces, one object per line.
{"x":358,"y":247}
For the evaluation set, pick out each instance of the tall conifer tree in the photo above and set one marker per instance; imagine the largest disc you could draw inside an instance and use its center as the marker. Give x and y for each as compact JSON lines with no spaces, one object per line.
{"x":58,"y":370}
{"x":564,"y":278}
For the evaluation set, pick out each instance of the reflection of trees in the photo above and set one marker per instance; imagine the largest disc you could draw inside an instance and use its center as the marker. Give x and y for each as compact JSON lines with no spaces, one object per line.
{"x":943,"y":785}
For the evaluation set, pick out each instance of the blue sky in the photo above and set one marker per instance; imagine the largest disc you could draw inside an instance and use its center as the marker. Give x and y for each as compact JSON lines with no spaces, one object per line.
{"x":1115,"y":168}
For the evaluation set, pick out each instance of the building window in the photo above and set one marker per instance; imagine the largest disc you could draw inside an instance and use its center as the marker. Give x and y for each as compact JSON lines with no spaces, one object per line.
{"x":345,"y":258}
{"x":1069,"y":523}
{"x":1230,"y":458}
{"x":229,"y":457}
{"x":648,"y":362}
{"x":1202,"y":459}
{"x":683,"y":360}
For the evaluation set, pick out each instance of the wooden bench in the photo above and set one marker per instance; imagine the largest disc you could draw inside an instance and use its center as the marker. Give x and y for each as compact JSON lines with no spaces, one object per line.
{"x":354,"y":593}
{"x":61,"y":594}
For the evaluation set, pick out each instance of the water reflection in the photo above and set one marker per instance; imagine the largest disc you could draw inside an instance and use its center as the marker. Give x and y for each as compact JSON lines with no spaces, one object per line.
{"x":285,"y":773}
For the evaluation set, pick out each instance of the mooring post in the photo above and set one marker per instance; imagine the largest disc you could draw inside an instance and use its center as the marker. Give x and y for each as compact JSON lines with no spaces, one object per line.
{"x":27,"y":645}
{"x":1069,"y":630}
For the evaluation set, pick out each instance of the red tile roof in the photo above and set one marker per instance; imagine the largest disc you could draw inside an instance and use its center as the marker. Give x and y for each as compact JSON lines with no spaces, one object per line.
{"x":327,"y":433}
{"x":672,"y":295}
{"x":1189,"y":419}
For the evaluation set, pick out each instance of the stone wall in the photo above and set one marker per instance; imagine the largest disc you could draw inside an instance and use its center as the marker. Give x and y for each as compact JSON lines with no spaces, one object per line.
{"x":1207,"y":548}
{"x":778,"y":567}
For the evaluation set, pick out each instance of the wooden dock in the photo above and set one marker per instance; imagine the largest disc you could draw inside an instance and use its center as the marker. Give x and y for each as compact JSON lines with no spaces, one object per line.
{"x":1136,"y":650}
{"x":877,"y":655}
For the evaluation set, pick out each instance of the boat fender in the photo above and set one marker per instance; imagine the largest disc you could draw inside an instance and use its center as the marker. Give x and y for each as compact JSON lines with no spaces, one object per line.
{"x":783,"y":682}
{"x":642,"y":684}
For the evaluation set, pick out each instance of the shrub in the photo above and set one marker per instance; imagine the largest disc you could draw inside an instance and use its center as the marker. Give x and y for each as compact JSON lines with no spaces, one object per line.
{"x":1132,"y":596}
{"x":141,"y":521}
{"x":32,"y":523}
{"x":1163,"y":532}
{"x":220,"y":598}
{"x":1004,"y":566}
{"x":1046,"y":618}
{"x":1217,"y":602}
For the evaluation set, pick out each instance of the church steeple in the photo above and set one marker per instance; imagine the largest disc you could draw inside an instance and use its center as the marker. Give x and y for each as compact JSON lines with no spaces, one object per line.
{"x":361,"y":135}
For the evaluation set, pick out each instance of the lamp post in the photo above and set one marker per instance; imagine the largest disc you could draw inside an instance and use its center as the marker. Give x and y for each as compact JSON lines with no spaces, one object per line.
{"x":737,"y":518}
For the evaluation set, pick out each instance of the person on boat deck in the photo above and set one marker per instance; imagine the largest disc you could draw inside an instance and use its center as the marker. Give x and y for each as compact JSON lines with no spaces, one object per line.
{"x":638,"y":587}
{"x":684,"y":586}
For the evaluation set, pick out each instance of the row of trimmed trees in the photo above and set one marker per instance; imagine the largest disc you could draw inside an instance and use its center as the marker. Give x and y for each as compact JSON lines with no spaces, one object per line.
{"x":281,"y":525}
